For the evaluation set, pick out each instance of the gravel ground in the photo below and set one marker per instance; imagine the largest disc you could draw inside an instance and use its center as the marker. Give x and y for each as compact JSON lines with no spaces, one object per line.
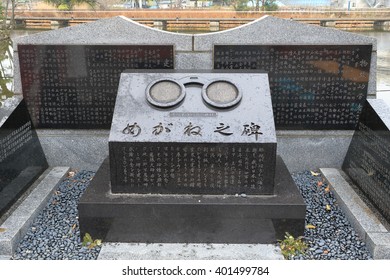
{"x":55,"y":232}
{"x":328,"y":233}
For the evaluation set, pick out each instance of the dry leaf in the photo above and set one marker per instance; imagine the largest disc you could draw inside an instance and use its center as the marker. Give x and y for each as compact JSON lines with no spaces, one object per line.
{"x":326,"y":252}
{"x":319,"y":184}
{"x":71,"y":173}
{"x":74,"y":226}
{"x":2,"y":229}
{"x":328,"y":207}
{"x":314,"y":173}
{"x":327,"y":189}
{"x":309,"y":226}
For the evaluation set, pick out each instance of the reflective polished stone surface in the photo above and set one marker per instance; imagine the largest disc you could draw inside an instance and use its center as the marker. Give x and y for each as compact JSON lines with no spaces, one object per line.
{"x":312,"y":86}
{"x":21,"y":156}
{"x":367,"y":161}
{"x":74,"y":86}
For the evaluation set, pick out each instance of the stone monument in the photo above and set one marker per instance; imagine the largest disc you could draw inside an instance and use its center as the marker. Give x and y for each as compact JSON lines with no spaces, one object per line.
{"x":192,"y":159}
{"x":22,"y":159}
{"x":367,"y":161}
{"x":324,"y":76}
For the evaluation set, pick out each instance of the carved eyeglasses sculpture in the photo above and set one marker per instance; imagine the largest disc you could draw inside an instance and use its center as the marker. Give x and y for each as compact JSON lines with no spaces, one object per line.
{"x":165,"y":93}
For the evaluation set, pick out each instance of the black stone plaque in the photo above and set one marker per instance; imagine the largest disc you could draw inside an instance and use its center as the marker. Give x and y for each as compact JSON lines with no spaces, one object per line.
{"x":312,"y":87}
{"x":192,"y":168}
{"x":74,"y":86}
{"x":367,"y":161}
{"x":218,"y":139}
{"x":21,"y":156}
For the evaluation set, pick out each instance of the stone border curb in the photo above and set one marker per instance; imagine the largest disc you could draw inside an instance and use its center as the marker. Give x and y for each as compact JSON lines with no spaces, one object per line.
{"x":192,"y":251}
{"x":17,"y":224}
{"x":366,"y":224}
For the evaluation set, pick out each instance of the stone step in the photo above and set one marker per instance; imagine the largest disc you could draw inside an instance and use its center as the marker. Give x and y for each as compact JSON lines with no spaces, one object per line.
{"x":192,"y":251}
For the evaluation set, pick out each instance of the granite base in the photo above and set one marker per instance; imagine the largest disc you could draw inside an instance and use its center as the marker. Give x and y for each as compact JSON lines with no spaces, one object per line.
{"x":171,"y":218}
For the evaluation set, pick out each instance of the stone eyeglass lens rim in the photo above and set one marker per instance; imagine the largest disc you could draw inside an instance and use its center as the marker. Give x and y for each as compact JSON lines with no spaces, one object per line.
{"x":182,"y":83}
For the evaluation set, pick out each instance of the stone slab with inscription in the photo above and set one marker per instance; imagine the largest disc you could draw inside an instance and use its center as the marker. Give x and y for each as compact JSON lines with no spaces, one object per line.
{"x":21,"y":156}
{"x":74,"y":86}
{"x":193,"y":133}
{"x":192,"y":158}
{"x":312,"y":87}
{"x":367,"y":161}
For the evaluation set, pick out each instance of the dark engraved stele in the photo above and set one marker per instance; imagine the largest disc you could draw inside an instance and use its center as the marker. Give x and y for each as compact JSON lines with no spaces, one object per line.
{"x":74,"y":86}
{"x":191,"y":169}
{"x":312,"y":87}
{"x":367,"y":160}
{"x":21,"y":156}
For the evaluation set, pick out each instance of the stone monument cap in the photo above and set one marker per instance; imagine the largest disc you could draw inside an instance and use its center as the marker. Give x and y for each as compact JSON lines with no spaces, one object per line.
{"x":193,"y":107}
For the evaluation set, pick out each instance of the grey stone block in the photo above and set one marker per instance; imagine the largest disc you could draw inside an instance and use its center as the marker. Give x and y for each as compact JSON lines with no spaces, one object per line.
{"x":379,"y":244}
{"x":358,"y":213}
{"x":276,"y":31}
{"x":371,"y":91}
{"x":366,"y":224}
{"x":17,"y":224}
{"x":312,"y":149}
{"x":194,"y":60}
{"x":8,"y":106}
{"x":111,"y":31}
{"x":17,"y":81}
{"x":382,"y":110}
{"x":191,"y":251}
{"x":80,"y":149}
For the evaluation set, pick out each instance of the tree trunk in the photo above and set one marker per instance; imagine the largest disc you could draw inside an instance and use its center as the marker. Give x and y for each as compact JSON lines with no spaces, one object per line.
{"x":12,"y":23}
{"x":5,"y":15}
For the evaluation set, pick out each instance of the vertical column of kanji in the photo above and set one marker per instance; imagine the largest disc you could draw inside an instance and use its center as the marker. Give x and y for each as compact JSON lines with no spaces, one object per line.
{"x":31,"y":78}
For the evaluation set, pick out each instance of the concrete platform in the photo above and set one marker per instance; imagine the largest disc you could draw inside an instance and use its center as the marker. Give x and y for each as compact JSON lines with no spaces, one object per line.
{"x":181,"y":251}
{"x":366,"y":223}
{"x":18,"y":222}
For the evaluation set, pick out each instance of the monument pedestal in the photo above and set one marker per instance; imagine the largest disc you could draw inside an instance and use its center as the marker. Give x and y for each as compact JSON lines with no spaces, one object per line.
{"x":176,"y":218}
